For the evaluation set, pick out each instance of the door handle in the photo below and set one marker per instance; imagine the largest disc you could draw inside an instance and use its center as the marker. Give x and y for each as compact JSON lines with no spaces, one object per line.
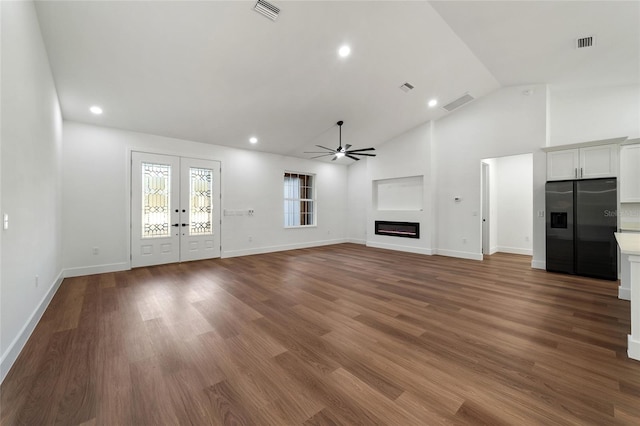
{"x":575,"y":172}
{"x":176,"y":224}
{"x":184,"y":224}
{"x":580,"y":171}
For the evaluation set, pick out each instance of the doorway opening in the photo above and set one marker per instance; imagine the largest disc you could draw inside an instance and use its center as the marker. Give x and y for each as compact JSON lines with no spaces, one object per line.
{"x":507,"y":204}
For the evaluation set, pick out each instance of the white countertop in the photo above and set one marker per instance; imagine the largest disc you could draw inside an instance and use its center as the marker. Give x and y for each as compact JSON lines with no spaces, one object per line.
{"x":629,"y":242}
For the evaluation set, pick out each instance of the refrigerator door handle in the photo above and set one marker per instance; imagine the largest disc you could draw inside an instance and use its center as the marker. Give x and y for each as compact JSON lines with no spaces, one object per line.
{"x":580,"y":171}
{"x":575,"y":172}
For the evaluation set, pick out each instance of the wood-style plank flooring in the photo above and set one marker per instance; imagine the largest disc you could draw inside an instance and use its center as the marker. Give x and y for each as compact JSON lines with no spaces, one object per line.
{"x":333,"y":335}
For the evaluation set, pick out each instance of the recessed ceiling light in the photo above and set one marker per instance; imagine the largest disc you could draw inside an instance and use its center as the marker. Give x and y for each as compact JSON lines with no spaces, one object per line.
{"x":344,"y":51}
{"x":433,"y":102}
{"x":96,"y":110}
{"x":253,"y":140}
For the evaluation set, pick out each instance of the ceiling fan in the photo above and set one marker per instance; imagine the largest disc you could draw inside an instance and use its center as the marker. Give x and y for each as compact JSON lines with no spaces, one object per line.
{"x":341,"y":151}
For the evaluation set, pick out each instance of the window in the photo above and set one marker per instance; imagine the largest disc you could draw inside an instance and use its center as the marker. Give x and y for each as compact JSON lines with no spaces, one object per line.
{"x":299,"y":203}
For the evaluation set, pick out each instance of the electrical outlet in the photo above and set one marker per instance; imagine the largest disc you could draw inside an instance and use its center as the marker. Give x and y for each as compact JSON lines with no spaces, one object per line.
{"x":250,"y":239}
{"x":464,"y":240}
{"x":95,"y":250}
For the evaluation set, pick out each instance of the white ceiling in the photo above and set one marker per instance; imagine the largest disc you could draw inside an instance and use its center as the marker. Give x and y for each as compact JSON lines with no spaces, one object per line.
{"x":218,"y":72}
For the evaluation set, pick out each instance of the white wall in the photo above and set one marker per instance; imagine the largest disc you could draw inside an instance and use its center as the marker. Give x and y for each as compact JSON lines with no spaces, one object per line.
{"x":515,"y":203}
{"x":408,"y":154}
{"x":581,"y":115}
{"x":96,"y":201}
{"x":31,"y":143}
{"x":358,"y":189}
{"x":506,"y":122}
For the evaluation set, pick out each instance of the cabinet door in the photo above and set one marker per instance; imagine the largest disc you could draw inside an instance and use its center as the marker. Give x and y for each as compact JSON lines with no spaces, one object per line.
{"x":598,"y":162}
{"x":630,"y":174}
{"x":562,"y":165}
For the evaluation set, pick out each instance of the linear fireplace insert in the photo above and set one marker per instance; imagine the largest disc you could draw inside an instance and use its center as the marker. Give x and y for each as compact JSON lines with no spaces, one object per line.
{"x":398,"y":229}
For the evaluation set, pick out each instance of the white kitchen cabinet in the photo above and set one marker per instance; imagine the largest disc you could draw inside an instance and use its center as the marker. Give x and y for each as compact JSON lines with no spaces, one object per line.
{"x":562,"y":165}
{"x":590,"y":162}
{"x":630,"y":173}
{"x":598,"y":162}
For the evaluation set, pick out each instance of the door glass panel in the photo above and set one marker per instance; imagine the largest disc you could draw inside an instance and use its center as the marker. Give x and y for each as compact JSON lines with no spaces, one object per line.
{"x":200,"y":201}
{"x":156,"y":190}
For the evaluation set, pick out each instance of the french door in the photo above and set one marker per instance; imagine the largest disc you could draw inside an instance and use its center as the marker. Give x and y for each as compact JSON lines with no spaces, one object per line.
{"x":175,"y":209}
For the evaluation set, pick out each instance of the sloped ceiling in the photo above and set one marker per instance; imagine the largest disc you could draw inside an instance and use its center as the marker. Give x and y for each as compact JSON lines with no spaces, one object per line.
{"x":218,"y":72}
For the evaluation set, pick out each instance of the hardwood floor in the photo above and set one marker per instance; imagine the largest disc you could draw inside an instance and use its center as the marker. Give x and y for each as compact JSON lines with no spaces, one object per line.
{"x":332,"y":335}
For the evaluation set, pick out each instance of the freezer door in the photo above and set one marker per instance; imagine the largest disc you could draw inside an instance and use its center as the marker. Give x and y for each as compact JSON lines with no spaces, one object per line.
{"x":596,"y":249}
{"x":559,"y":225}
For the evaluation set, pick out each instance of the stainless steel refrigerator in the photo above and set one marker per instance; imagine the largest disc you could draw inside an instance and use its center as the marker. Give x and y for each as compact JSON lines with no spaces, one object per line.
{"x":580,"y":222}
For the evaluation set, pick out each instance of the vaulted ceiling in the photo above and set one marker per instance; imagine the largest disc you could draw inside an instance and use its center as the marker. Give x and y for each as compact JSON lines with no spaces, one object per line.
{"x":219,"y":72}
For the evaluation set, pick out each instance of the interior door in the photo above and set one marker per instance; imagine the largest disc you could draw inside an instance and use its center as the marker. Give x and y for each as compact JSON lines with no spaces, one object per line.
{"x":175,"y":209}
{"x":486,"y":210}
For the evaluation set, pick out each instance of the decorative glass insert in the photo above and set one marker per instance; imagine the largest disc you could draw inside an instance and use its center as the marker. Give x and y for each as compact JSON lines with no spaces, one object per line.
{"x":299,"y":203}
{"x":156,"y":194}
{"x":200,"y":201}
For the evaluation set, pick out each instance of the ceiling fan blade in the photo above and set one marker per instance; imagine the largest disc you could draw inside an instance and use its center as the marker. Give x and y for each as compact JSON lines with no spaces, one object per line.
{"x":334,"y":158}
{"x":346,"y":147}
{"x":324,"y":147}
{"x":362,"y":149}
{"x":352,"y":157}
{"x":317,"y":152}
{"x":360,"y":153}
{"x":318,"y":156}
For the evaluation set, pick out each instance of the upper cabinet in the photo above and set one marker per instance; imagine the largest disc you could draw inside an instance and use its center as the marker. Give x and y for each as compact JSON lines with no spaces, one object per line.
{"x":630,"y":173}
{"x":563,"y":165}
{"x":590,"y":162}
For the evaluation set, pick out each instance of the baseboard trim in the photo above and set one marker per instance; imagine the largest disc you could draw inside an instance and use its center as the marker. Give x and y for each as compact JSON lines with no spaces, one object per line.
{"x":493,"y":250}
{"x":96,"y":269}
{"x":515,"y":250}
{"x":13,"y":351}
{"x":539,"y":264}
{"x":357,"y":241}
{"x":284,"y":247}
{"x":459,"y":254}
{"x":624,"y":293}
{"x":397,"y":247}
{"x":633,"y":348}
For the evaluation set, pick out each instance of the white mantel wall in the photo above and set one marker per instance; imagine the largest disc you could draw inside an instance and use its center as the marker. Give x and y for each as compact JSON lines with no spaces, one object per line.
{"x":406,"y":155}
{"x":96,"y":197}
{"x":31,"y":151}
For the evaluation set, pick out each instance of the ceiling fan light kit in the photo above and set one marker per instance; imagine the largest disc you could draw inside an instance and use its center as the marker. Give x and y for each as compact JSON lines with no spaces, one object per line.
{"x":341,"y":151}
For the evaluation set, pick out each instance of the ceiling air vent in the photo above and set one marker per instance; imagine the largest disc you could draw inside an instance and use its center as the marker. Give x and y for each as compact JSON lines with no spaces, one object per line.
{"x":583,"y":42}
{"x":267,"y":9}
{"x":466,"y":98}
{"x":406,"y":87}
